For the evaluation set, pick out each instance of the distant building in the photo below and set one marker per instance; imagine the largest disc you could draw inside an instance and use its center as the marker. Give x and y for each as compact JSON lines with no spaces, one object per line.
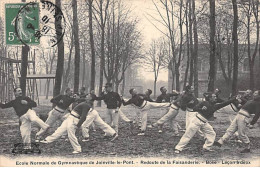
{"x":203,"y":67}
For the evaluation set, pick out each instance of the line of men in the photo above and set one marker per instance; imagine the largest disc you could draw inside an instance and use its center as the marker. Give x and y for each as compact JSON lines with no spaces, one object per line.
{"x":198,"y":114}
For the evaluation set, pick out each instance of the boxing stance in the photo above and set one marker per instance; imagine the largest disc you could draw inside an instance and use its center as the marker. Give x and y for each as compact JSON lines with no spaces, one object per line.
{"x":166,"y":98}
{"x":144,"y":106}
{"x":181,"y":102}
{"x":205,"y":111}
{"x":113,"y":102}
{"x":246,"y":117}
{"x":83,"y":112}
{"x":23,"y":108}
{"x":62,"y":102}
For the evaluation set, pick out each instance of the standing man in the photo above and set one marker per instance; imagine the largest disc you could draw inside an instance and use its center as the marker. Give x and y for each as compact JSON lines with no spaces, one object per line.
{"x":83,"y":112}
{"x":82,"y":92}
{"x":205,"y":111}
{"x":113,"y":102}
{"x":23,"y":108}
{"x":166,"y":98}
{"x":190,"y":113}
{"x":62,"y":102}
{"x":144,"y":106}
{"x":182,"y":101}
{"x":246,"y":117}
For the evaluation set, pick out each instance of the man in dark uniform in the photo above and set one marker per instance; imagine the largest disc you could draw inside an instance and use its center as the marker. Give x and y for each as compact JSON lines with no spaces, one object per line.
{"x":165,"y":97}
{"x":205,"y":111}
{"x":113,"y":102}
{"x":246,"y":117}
{"x":23,"y":108}
{"x":144,"y":106}
{"x":62,"y":102}
{"x":83,"y":112}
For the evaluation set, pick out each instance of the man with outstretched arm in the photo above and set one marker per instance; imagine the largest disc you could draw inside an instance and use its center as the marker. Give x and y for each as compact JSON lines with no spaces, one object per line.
{"x":83,"y":112}
{"x":246,"y":117}
{"x":181,"y":102}
{"x":62,"y":102}
{"x":205,"y":111}
{"x":23,"y":108}
{"x":113,"y":102}
{"x":144,"y":106}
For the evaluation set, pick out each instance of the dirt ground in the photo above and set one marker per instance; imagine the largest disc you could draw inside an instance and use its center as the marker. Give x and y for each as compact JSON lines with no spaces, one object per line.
{"x":129,"y":144}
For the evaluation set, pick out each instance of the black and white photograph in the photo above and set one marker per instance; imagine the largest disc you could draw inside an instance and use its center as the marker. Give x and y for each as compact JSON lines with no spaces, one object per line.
{"x":129,"y":83}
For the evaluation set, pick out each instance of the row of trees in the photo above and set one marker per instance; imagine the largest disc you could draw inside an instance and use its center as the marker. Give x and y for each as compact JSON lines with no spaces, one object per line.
{"x":101,"y":37}
{"x":215,"y":24}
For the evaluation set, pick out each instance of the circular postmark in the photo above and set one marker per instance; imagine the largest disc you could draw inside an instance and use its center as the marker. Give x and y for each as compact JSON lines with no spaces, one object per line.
{"x":26,"y":23}
{"x":51,"y":24}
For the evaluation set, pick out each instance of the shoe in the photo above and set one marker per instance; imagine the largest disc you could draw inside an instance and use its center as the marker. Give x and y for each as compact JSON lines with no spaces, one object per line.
{"x":141,"y":133}
{"x":154,"y":125}
{"x":176,"y":134}
{"x":217,"y":144}
{"x":245,"y":150}
{"x":85,"y":139}
{"x":177,"y":151}
{"x":44,"y":141}
{"x":208,"y":150}
{"x":160,"y":131}
{"x":239,"y":141}
{"x":149,"y":126}
{"x":37,"y":139}
{"x":114,"y":137}
{"x":76,"y":152}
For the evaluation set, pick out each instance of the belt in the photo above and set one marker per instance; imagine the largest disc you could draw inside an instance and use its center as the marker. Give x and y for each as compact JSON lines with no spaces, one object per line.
{"x":244,"y":113}
{"x":75,"y":114}
{"x":173,"y":106}
{"x":189,"y":109}
{"x":201,"y":118}
{"x":143,"y":104}
{"x":59,"y":109}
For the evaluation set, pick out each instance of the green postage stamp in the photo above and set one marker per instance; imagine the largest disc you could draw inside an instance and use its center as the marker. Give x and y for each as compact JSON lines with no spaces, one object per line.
{"x":21,"y":23}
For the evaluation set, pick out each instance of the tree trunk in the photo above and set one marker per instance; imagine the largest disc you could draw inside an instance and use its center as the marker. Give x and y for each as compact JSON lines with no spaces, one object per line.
{"x":67,"y":72}
{"x":102,"y":63}
{"x":24,"y":65}
{"x":91,"y":36}
{"x":235,"y":38}
{"x":77,"y":48}
{"x":195,"y":54}
{"x":123,"y":87}
{"x":60,"y":60}
{"x":191,"y":45}
{"x":154,"y":87}
{"x":188,"y":47}
{"x":84,"y":69}
{"x":212,"y":60}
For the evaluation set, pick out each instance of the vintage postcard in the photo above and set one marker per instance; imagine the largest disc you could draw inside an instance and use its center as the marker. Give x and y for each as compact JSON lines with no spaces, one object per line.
{"x":129,"y":83}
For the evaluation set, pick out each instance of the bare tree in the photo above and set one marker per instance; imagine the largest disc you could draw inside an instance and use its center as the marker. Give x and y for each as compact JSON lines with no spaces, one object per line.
{"x":212,"y":60}
{"x":92,"y":44}
{"x":195,"y":52}
{"x":251,"y":8}
{"x":102,"y":12}
{"x":235,"y":38}
{"x":155,"y":57}
{"x":24,"y":65}
{"x":167,"y":20}
{"x":77,"y":46}
{"x":60,"y":61}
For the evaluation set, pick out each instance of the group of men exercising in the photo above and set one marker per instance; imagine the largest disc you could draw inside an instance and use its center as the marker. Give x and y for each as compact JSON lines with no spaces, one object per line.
{"x":81,"y":114}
